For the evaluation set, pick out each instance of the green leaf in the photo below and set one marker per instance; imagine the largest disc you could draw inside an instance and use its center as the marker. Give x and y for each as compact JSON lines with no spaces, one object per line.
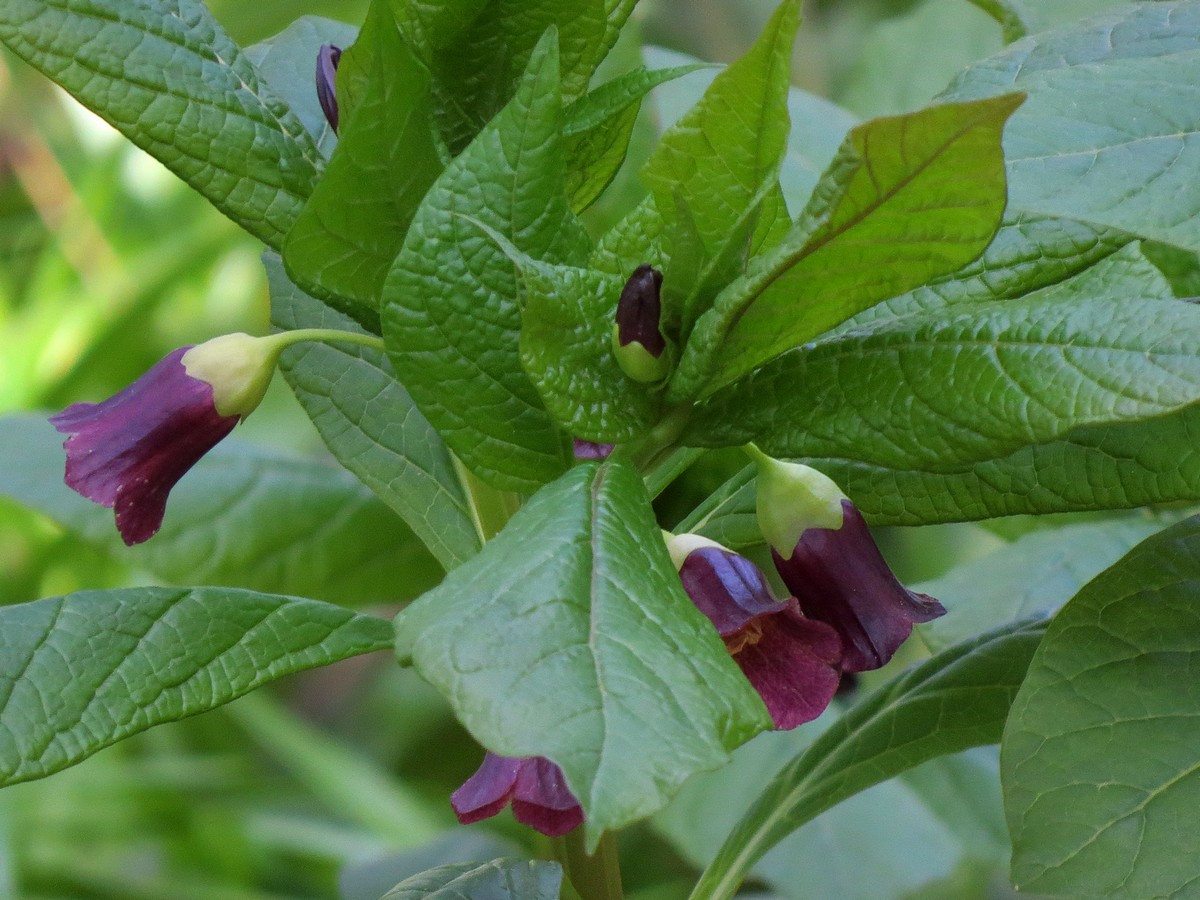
{"x":371,"y":426}
{"x":165,"y":74}
{"x":566,"y":346}
{"x":1111,"y":131}
{"x":934,"y":390}
{"x":476,"y":67}
{"x":1099,"y":756}
{"x":86,"y":670}
{"x":1034,"y":575}
{"x":907,"y":199}
{"x":451,"y":311}
{"x":570,"y":636}
{"x":241,"y":517}
{"x":599,"y":126}
{"x":955,"y":700}
{"x":716,"y":158}
{"x":500,"y":879}
{"x":287,"y":62}
{"x":950,"y":809}
{"x":352,"y":227}
{"x":1029,"y":253}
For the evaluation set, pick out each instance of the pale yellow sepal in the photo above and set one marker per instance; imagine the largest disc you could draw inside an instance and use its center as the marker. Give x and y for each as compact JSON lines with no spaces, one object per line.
{"x":680,"y":545}
{"x":239,"y":368}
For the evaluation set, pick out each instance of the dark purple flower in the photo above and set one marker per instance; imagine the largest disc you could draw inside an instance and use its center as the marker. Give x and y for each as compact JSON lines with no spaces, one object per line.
{"x":791,"y":661}
{"x":839,"y":576}
{"x":328,"y":58}
{"x":128,"y":451}
{"x":533,"y":785}
{"x":592,"y":449}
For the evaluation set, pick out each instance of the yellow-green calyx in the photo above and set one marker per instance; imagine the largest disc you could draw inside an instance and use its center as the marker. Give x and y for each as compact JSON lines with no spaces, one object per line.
{"x":793,"y":498}
{"x":239,"y":368}
{"x":639,"y":363}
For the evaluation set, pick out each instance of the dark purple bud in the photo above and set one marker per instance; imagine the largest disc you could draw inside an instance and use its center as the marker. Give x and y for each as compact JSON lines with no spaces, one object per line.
{"x":533,"y":785}
{"x":328,"y":58}
{"x":839,"y":577}
{"x":640,"y":309}
{"x":127,"y":452}
{"x":592,"y":449}
{"x":791,"y":661}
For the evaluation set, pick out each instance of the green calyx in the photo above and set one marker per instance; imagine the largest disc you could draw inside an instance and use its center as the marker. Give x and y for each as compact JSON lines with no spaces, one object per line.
{"x":239,"y":366}
{"x":639,"y":363}
{"x":792,"y":498}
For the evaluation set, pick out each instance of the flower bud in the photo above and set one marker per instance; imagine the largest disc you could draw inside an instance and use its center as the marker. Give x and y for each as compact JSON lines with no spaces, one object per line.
{"x":638,"y":343}
{"x":328,"y":58}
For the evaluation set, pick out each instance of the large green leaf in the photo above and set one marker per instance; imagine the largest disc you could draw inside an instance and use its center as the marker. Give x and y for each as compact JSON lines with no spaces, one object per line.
{"x":451,"y":314}
{"x":570,"y":636}
{"x":1034,"y":575}
{"x":477,"y":64}
{"x":1111,"y":131}
{"x":165,"y":74}
{"x":86,"y":670}
{"x":1099,"y":758}
{"x":955,"y":700}
{"x":1029,"y":252}
{"x":599,"y":126}
{"x":371,"y":426}
{"x":939,"y":389}
{"x":907,"y":199}
{"x":242,"y":517}
{"x":500,"y":879}
{"x":950,"y":809}
{"x":349,"y":232}
{"x":717,"y":156}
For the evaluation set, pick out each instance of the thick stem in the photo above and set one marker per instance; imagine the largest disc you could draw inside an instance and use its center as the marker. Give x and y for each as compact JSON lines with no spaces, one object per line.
{"x":593,"y":877}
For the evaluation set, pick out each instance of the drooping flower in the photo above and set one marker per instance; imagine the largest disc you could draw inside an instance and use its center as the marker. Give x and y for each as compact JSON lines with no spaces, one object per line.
{"x":128,"y":451}
{"x":839,"y":576}
{"x":827,"y":558}
{"x":328,"y":57}
{"x":533,"y":785}
{"x":792,"y":661}
{"x":637,"y":339}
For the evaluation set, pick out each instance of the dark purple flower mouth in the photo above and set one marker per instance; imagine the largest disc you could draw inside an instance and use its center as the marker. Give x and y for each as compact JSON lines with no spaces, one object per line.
{"x":128,"y":451}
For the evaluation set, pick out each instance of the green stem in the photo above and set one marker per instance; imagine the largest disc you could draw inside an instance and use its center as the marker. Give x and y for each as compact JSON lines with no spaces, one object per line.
{"x":283,"y":339}
{"x":490,"y":508}
{"x":594,"y":876}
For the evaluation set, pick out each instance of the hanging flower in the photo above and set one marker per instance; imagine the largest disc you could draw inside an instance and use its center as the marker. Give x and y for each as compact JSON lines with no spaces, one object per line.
{"x":128,"y":451}
{"x":827,"y":558}
{"x":839,"y":576}
{"x":792,"y":661}
{"x":533,"y":785}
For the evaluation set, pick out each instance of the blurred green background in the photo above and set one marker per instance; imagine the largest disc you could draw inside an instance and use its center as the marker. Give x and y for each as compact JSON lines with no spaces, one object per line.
{"x":107,"y":262}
